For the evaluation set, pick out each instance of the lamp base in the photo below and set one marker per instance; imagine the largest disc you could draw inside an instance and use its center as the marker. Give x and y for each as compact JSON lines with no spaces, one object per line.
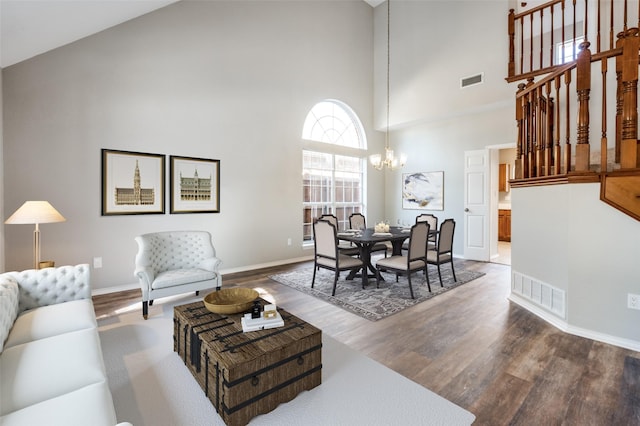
{"x":46,"y":264}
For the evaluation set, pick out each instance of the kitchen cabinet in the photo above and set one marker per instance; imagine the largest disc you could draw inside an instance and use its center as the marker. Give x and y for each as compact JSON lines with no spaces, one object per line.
{"x":503,"y":177}
{"x":504,"y":225}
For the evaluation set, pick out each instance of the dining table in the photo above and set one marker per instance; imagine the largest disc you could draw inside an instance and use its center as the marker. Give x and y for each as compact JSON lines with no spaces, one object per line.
{"x":365,"y":239}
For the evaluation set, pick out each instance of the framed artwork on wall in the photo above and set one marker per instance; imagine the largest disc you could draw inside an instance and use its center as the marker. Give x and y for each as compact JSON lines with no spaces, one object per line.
{"x":194,"y":185}
{"x":132,"y":183}
{"x":423,"y":191}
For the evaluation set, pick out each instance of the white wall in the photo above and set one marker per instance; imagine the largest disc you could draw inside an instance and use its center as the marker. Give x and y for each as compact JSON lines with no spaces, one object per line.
{"x":224,"y":80}
{"x":565,"y":236}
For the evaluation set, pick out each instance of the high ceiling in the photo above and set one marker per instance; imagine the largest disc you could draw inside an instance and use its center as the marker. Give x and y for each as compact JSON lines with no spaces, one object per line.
{"x":31,"y":27}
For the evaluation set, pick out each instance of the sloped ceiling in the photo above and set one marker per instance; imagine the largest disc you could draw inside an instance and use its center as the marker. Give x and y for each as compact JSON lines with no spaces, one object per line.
{"x":31,"y":27}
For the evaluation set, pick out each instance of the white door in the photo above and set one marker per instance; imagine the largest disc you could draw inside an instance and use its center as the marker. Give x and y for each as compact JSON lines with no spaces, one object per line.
{"x":476,"y":205}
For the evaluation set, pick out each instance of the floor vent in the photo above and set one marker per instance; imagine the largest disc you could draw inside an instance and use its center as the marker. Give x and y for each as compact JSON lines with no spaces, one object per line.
{"x":471,"y":81}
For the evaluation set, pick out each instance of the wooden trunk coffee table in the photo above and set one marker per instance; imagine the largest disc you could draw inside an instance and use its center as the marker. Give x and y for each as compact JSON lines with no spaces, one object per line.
{"x":247,"y":374}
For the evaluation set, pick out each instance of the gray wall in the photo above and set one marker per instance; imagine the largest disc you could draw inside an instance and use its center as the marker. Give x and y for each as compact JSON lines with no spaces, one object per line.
{"x":225,"y":80}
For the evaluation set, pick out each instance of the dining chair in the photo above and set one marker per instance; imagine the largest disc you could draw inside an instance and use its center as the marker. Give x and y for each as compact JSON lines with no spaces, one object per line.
{"x":443,"y":252}
{"x":327,"y":255}
{"x":414,"y":261}
{"x":432,"y":220}
{"x":358,"y":221}
{"x":344,"y":247}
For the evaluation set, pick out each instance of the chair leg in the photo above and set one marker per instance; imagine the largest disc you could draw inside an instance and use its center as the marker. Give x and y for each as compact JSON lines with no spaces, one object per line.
{"x":377,"y":278}
{"x":198,"y":293}
{"x":453,"y":271}
{"x":145,"y":309}
{"x":410,"y":286}
{"x":150,"y":302}
{"x":426,"y":274}
{"x":313,"y":280}
{"x":335,"y":282}
{"x":440,"y":276}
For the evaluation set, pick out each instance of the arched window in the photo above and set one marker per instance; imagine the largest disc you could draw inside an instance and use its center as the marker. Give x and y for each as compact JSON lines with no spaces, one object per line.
{"x":332,"y":180}
{"x":334,"y":122}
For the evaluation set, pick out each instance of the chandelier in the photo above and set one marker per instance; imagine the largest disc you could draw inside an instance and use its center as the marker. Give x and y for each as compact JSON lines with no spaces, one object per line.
{"x":388,"y":160}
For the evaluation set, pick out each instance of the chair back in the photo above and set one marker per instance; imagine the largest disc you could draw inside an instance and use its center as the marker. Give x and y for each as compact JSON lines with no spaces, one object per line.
{"x":357,"y":221}
{"x":171,"y":250}
{"x":429,"y":218}
{"x":445,"y":239}
{"x":325,"y":239}
{"x":331,"y":218}
{"x":418,"y":241}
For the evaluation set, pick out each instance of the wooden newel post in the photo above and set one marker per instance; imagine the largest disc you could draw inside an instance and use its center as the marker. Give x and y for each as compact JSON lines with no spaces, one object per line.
{"x":629,"y":154}
{"x":583,"y":89}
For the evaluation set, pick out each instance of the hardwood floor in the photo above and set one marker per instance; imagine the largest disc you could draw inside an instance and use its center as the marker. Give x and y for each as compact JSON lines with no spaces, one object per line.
{"x":475,"y":348}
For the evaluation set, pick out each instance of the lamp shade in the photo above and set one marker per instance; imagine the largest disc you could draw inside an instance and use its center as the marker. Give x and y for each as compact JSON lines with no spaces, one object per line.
{"x":35,"y":212}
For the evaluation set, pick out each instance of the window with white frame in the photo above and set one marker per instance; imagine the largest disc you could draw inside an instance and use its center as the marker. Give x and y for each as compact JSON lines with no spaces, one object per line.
{"x":568,"y":51}
{"x":332,"y":181}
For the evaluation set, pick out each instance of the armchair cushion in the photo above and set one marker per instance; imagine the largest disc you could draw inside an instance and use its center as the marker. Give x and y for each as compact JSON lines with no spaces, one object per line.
{"x":181,"y":276}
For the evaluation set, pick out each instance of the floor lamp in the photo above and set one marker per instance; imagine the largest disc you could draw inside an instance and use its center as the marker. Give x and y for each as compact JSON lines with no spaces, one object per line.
{"x":35,"y":212}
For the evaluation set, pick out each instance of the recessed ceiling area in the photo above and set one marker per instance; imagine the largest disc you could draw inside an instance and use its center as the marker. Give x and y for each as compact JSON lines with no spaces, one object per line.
{"x":31,"y":27}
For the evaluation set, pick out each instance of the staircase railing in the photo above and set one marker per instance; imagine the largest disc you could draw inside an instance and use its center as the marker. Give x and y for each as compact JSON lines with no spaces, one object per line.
{"x":544,"y":37}
{"x":551,"y":145}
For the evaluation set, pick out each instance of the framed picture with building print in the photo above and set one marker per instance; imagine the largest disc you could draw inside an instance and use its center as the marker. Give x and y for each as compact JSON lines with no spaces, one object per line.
{"x":194,"y":185}
{"x":132,"y":183}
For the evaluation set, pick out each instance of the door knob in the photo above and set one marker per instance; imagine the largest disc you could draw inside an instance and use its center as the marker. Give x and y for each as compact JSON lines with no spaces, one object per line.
{"x":466,"y":210}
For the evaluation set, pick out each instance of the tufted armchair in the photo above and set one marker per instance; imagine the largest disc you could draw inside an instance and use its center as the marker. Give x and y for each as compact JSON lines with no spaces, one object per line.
{"x":175,"y":262}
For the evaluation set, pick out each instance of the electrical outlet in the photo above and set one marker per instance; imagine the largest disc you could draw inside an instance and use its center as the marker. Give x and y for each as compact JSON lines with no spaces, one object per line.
{"x":97,"y":262}
{"x":633,"y":301}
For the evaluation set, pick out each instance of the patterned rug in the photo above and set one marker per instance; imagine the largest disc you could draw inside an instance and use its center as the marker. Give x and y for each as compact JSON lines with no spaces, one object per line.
{"x":376,"y":303}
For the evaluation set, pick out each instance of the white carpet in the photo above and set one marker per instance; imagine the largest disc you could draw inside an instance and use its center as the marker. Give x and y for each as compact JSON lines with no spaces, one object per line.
{"x":151,"y":385}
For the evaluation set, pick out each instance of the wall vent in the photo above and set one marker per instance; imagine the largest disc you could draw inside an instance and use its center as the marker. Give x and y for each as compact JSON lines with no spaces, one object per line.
{"x":541,"y":294}
{"x":471,"y":81}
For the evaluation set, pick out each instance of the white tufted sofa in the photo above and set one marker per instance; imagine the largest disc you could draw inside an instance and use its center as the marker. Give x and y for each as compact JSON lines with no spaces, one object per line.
{"x":51,"y":367}
{"x":175,"y":262}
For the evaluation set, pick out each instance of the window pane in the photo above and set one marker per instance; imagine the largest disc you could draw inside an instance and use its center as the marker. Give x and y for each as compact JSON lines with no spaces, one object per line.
{"x":327,"y":190}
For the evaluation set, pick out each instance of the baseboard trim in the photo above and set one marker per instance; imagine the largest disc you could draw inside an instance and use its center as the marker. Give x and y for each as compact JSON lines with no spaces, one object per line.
{"x":223,"y":272}
{"x":577,"y":331}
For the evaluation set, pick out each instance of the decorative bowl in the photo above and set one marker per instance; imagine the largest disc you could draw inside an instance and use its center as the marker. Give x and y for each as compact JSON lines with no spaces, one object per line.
{"x":230,"y":300}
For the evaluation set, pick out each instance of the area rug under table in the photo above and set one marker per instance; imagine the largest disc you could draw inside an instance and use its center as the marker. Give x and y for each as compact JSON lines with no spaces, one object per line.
{"x":151,"y":386}
{"x":376,"y":303}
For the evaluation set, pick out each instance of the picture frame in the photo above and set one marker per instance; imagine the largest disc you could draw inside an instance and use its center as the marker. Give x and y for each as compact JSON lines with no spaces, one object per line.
{"x":132,"y":183}
{"x":194,"y":185}
{"x":423,"y":191}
